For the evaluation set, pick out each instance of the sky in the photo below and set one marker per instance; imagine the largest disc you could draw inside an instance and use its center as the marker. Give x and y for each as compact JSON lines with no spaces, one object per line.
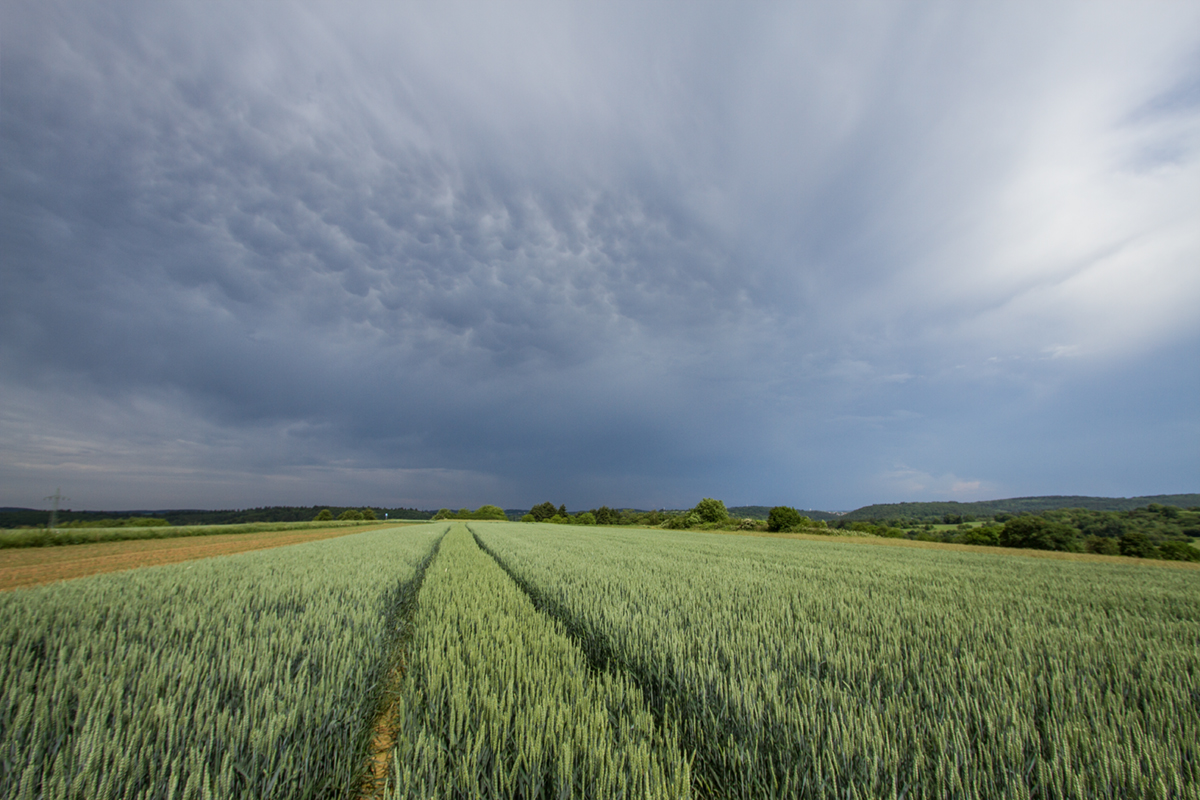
{"x":634,"y":254}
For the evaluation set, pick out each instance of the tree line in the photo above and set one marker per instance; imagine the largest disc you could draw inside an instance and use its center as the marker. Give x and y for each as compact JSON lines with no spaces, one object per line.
{"x":483,"y":512}
{"x":1153,"y":531}
{"x":36,"y":518}
{"x":986,"y":509}
{"x":558,"y":515}
{"x":708,"y":514}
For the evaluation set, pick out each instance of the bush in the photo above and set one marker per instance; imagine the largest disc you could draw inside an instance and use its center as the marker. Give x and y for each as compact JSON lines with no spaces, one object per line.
{"x":986,"y":535}
{"x":1178,"y":551}
{"x":683,"y":521}
{"x":444,"y":513}
{"x":1102,"y":545}
{"x":369,"y":513}
{"x":784,"y":518}
{"x":350,"y":513}
{"x":1137,"y":545}
{"x":586,"y":518}
{"x":325,"y":514}
{"x":710,"y":510}
{"x":528,"y":518}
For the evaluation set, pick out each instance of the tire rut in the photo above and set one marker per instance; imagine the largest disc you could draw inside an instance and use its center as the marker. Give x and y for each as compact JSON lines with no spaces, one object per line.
{"x":377,"y":768}
{"x":663,"y":700}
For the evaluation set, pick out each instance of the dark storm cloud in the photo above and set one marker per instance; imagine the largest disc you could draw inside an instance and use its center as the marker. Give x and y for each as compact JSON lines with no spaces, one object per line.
{"x":453,"y":254}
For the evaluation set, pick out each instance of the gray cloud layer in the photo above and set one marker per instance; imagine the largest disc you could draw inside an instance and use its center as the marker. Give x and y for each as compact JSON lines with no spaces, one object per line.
{"x":453,"y":255}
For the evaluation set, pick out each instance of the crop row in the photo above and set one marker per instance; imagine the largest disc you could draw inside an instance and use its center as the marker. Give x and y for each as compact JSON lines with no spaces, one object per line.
{"x":249,"y":676}
{"x":807,"y":669}
{"x":499,"y":702}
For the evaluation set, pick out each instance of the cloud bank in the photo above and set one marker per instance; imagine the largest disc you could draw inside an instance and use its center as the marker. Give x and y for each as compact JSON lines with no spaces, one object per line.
{"x":372,"y":253}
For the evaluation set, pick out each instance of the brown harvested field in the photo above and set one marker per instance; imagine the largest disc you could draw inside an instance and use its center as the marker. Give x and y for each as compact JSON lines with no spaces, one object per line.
{"x":30,"y":566}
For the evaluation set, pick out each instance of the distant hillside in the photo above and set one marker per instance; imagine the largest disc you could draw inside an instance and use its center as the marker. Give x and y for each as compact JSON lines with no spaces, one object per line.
{"x":1015,"y":505}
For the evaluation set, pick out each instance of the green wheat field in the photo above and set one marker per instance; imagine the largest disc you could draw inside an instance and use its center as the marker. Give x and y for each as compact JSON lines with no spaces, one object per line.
{"x":512,"y":660}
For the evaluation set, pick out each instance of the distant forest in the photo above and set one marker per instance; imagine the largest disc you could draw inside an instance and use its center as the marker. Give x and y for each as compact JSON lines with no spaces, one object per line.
{"x":635,"y":516}
{"x":28,"y":517}
{"x":988,"y":509}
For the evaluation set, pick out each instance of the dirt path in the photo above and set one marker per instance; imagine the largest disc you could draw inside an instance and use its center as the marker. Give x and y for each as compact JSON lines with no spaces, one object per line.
{"x":383,"y":739}
{"x":30,"y":566}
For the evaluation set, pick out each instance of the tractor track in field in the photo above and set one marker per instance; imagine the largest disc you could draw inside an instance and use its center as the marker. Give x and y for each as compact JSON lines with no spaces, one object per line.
{"x":661,"y":701}
{"x":378,"y":766}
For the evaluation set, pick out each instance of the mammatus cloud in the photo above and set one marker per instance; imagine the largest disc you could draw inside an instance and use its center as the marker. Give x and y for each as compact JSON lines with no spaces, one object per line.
{"x":456,"y":255}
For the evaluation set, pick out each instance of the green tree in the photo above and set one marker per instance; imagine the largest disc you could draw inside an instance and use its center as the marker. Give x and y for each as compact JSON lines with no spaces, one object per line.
{"x":369,"y":513}
{"x":489,"y":512}
{"x":586,"y":518}
{"x":350,"y":513}
{"x":1038,"y":533}
{"x":784,"y":518}
{"x":444,"y":513}
{"x":710,"y":510}
{"x":543,"y":511}
{"x":1137,"y":545}
{"x":528,"y":518}
{"x":325,"y":514}
{"x":606,"y":516}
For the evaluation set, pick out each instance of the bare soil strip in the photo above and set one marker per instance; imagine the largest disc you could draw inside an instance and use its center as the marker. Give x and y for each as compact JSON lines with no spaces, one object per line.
{"x":383,"y":739}
{"x":31,"y":566}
